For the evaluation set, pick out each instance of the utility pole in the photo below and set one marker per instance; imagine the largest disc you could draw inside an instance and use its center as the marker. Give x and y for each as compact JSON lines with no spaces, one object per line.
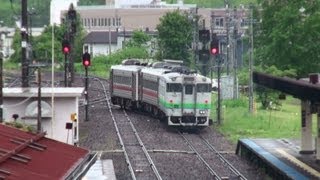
{"x":211,"y":57}
{"x":234,"y":54}
{"x":193,"y":17}
{"x":24,"y":43}
{"x":196,"y":26}
{"x":251,"y":62}
{"x":109,"y":40}
{"x":228,"y":38}
{"x":39,"y":101}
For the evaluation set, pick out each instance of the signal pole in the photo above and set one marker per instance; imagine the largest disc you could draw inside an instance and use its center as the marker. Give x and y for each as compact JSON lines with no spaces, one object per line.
{"x":86,"y":62}
{"x":72,"y":29}
{"x":24,"y":43}
{"x":219,"y":91}
{"x":86,"y":95}
{"x":251,"y":110}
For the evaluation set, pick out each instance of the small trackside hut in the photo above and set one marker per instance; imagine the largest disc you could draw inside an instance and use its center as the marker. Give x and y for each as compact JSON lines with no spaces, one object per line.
{"x":165,"y":89}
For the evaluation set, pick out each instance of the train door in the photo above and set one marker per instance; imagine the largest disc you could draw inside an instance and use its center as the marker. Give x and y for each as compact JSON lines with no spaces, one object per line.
{"x":188,"y":100}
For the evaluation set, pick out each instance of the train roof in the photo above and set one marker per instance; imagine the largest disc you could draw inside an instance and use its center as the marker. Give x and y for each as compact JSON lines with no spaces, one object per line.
{"x":174,"y":76}
{"x":133,"y":68}
{"x":166,"y":69}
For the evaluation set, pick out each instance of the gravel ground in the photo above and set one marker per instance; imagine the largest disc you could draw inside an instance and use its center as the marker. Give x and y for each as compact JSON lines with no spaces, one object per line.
{"x":99,"y":134}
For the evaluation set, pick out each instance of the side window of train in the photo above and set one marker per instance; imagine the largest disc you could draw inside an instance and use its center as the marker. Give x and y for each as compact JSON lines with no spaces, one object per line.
{"x":188,"y":89}
{"x":174,"y":87}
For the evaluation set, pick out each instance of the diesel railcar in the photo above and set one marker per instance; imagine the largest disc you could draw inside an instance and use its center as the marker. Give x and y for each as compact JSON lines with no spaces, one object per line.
{"x":169,"y":91}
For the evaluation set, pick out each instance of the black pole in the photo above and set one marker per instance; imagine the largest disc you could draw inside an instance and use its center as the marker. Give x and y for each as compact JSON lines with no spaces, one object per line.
{"x":24,"y":43}
{"x":65,"y":70}
{"x":86,"y":95}
{"x":219,"y":92}
{"x":39,"y":101}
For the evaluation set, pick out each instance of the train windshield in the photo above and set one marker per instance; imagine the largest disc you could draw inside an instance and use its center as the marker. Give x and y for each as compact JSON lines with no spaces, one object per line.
{"x":203,"y":88}
{"x":189,"y":89}
{"x":174,"y":87}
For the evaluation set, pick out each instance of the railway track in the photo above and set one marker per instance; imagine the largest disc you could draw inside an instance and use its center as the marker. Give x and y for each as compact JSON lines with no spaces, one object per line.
{"x":211,"y":158}
{"x":137,"y":157}
{"x":110,"y":134}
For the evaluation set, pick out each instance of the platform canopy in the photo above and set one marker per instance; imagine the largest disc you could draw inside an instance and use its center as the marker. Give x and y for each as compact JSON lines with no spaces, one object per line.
{"x":298,"y":88}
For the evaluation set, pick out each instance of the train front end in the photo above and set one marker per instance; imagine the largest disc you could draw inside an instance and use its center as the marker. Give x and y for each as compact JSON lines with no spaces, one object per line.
{"x":186,"y":99}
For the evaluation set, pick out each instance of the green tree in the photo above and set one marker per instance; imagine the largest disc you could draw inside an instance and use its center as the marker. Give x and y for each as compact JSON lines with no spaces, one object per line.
{"x":289,"y":36}
{"x":269,"y":96}
{"x":42,"y":45}
{"x":175,"y":36}
{"x":139,"y":39}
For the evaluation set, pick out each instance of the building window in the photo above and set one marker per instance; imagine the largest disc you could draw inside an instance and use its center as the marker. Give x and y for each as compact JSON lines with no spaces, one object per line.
{"x":98,"y":21}
{"x":95,"y":22}
{"x":102,"y":22}
{"x":92,"y":22}
{"x":109,"y":21}
{"x":219,"y":22}
{"x":86,"y":48}
{"x":118,"y":21}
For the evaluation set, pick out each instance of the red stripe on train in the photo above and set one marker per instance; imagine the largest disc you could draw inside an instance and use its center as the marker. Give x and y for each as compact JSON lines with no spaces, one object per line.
{"x":150,"y":93}
{"x":122,"y":87}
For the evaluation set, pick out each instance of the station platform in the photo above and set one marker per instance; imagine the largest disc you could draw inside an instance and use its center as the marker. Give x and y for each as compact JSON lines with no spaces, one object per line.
{"x":280,"y":158}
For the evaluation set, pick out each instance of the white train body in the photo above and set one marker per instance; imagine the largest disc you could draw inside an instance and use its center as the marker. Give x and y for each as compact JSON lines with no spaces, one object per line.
{"x":177,"y":95}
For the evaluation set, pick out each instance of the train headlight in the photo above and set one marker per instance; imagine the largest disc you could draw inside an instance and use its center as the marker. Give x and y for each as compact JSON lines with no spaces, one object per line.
{"x":203,"y":111}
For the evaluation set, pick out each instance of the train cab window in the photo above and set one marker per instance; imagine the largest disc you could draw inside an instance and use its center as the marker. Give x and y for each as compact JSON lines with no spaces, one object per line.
{"x":174,"y":87}
{"x":188,"y":89}
{"x":203,"y":88}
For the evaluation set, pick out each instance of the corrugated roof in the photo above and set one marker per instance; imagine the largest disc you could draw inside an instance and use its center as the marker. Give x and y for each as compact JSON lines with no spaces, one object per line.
{"x":25,"y":155}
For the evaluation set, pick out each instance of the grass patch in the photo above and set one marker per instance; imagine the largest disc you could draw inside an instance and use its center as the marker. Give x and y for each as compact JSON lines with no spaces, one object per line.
{"x":239,"y":123}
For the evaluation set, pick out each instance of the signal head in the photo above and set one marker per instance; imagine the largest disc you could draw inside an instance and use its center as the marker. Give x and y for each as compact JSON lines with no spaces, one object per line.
{"x":66,"y":47}
{"x":86,"y":60}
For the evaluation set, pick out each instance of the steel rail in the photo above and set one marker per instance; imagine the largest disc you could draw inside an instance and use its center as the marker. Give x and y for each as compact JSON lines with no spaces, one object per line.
{"x":133,"y":176}
{"x":216,"y":176}
{"x":154,"y":168}
{"x":223,"y":159}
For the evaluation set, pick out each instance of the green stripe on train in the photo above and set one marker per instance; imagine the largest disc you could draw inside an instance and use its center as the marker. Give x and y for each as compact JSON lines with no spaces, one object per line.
{"x":185,"y":105}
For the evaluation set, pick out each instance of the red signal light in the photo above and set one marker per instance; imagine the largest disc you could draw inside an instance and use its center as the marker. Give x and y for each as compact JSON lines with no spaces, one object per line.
{"x":66,"y":50}
{"x":214,"y":51}
{"x":214,"y":45}
{"x":86,"y":62}
{"x":66,"y":46}
{"x":86,"y":59}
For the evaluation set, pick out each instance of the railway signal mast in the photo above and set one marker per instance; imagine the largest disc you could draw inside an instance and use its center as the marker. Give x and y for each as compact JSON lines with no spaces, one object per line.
{"x":215,"y":51}
{"x":72,"y":30}
{"x":66,"y":50}
{"x":86,"y":61}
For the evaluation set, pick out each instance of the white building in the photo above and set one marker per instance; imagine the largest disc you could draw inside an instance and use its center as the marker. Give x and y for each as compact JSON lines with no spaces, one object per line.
{"x":20,"y":104}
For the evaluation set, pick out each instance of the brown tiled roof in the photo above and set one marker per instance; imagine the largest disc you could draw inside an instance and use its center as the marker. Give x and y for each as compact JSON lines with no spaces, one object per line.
{"x":32,"y":156}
